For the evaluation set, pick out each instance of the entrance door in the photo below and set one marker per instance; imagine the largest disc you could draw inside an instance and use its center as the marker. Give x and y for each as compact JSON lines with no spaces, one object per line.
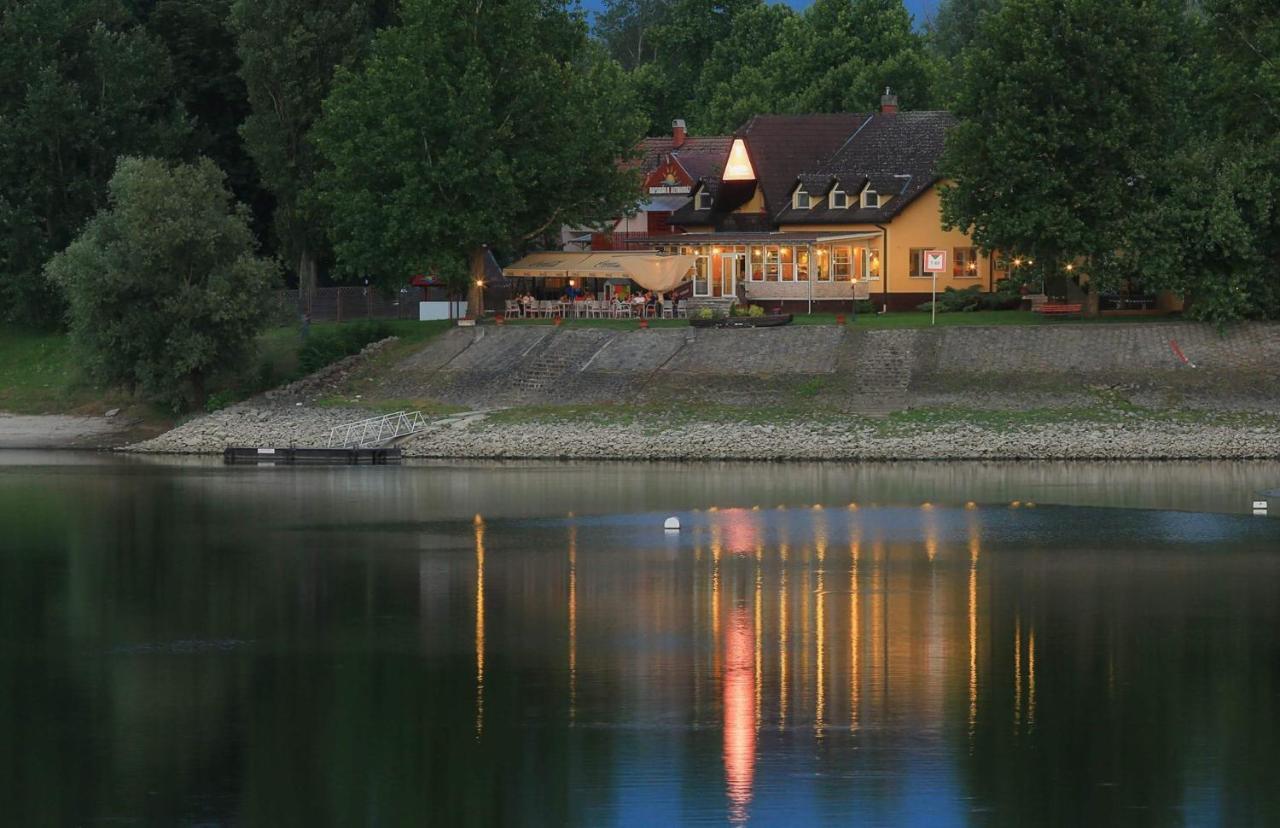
{"x":732,"y":266}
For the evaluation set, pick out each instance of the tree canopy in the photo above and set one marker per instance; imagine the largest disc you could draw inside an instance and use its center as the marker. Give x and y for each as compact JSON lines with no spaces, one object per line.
{"x":164,"y":285}
{"x":469,"y":126}
{"x":80,"y":84}
{"x":1086,"y":140}
{"x":289,"y":51}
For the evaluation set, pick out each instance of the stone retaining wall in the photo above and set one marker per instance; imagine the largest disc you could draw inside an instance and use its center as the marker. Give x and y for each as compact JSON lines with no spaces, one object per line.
{"x":487,"y":367}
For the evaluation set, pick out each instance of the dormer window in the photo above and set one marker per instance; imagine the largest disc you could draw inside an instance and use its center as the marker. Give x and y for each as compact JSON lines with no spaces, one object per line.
{"x":702,"y":201}
{"x":870,"y":198}
{"x":801,"y":200}
{"x":839,"y":199}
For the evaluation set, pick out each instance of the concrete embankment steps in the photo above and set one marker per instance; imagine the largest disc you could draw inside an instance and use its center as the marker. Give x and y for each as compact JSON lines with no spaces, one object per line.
{"x":878,"y":369}
{"x":549,"y":363}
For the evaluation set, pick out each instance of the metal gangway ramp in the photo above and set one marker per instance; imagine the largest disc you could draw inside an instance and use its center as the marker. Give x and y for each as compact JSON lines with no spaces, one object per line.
{"x":377,"y":430}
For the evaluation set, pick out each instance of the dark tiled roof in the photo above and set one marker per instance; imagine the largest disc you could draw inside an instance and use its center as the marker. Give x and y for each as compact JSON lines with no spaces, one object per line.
{"x":782,"y":147}
{"x":705,"y":152}
{"x":726,"y":196}
{"x":898,"y":154}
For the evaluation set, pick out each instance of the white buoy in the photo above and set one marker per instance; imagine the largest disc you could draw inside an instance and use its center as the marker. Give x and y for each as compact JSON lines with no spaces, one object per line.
{"x":672,"y":524}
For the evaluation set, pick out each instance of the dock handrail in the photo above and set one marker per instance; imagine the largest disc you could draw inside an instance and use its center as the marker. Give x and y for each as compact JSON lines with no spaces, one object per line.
{"x":374,"y":431}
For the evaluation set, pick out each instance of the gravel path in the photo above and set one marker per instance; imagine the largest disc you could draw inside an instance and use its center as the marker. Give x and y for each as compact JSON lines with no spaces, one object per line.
{"x":61,"y":431}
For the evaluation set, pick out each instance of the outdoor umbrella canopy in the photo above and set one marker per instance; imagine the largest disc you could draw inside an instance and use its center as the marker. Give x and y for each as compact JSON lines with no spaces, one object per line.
{"x":648,"y":269}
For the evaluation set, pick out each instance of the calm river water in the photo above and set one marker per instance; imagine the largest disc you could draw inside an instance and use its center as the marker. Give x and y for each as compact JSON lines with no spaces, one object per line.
{"x":914,"y":644}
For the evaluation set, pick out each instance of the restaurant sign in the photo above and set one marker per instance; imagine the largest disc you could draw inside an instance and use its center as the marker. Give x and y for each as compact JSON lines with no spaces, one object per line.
{"x":668,"y":179}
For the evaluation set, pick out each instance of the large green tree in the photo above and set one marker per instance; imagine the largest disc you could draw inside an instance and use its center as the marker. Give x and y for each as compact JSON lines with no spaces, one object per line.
{"x":1214,"y":233}
{"x":471,"y":125}
{"x":289,"y":51}
{"x":664,"y":44}
{"x":164,"y":285}
{"x":741,"y":77}
{"x":847,"y":52}
{"x":80,"y":84}
{"x":1068,"y":111}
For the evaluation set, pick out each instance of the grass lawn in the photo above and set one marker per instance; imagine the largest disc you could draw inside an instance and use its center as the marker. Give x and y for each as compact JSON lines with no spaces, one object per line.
{"x":41,"y":374}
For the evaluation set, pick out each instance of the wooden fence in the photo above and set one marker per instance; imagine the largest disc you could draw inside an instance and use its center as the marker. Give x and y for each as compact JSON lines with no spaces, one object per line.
{"x":345,"y":304}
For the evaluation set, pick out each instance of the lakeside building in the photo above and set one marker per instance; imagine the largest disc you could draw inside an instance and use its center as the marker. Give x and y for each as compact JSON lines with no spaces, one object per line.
{"x":807,"y":212}
{"x":672,"y":165}
{"x":799,"y":212}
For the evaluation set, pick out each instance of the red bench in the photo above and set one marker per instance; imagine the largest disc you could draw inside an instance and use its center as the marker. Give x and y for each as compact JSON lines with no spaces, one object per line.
{"x":1059,"y":310}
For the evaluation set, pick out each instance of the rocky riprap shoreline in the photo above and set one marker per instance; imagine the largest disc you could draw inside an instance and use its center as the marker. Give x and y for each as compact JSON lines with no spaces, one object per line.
{"x":291,"y":416}
{"x":284,"y":416}
{"x":819,"y":441}
{"x":477,"y":435}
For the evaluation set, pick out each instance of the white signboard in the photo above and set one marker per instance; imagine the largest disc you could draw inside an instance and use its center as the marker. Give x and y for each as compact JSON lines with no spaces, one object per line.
{"x":441,"y":310}
{"x":670,"y":189}
{"x":935,"y":261}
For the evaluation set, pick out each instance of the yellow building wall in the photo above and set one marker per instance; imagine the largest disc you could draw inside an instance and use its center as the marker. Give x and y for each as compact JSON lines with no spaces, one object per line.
{"x":919,"y":225}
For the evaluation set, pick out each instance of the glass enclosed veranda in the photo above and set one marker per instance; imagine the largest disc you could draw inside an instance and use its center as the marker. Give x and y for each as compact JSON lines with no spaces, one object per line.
{"x":780,"y":266}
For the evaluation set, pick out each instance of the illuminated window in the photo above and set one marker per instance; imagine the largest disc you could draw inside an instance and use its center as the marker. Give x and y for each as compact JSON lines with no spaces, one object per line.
{"x":772,"y":263}
{"x":738,"y":167}
{"x":788,"y":263}
{"x":966,"y":263}
{"x":757,"y":263}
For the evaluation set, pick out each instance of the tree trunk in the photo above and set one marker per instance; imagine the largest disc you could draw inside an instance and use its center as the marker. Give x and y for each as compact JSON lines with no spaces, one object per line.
{"x":475,"y":290}
{"x":199,"y":394}
{"x":307,"y":278}
{"x":1091,"y":308}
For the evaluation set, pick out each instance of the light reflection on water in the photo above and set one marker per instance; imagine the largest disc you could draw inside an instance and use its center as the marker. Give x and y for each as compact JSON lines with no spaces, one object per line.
{"x":436,"y":645}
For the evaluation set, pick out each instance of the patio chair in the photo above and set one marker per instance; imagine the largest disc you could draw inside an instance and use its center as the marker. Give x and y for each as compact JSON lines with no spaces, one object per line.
{"x":513,"y":309}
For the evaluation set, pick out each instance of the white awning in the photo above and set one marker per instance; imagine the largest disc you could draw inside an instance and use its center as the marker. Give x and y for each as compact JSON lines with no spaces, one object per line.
{"x":648,"y":269}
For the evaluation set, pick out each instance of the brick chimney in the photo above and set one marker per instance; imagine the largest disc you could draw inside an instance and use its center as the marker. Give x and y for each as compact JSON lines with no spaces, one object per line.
{"x":677,"y":133}
{"x":888,"y":102}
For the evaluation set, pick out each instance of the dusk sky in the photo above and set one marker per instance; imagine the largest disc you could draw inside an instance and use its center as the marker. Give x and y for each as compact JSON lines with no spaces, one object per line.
{"x":919,"y":8}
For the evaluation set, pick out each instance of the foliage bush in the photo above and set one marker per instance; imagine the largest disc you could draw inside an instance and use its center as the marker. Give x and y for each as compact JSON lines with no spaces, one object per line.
{"x":704,"y":313}
{"x":755,"y":310}
{"x":328,"y":345}
{"x":953,"y":301}
{"x":164,"y":285}
{"x":219,"y":400}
